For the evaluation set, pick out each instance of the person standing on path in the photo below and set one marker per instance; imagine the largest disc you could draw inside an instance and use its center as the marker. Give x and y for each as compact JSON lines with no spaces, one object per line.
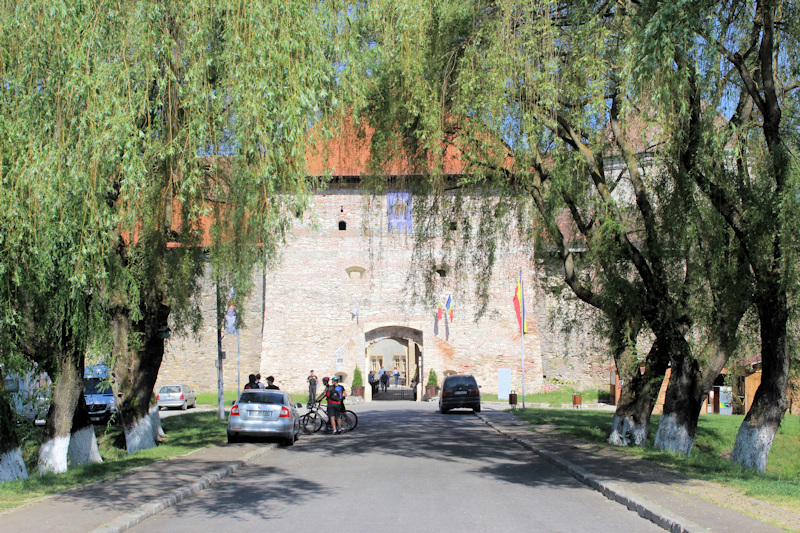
{"x":335,"y":397}
{"x":385,"y":381}
{"x":251,"y":382}
{"x":271,"y":384}
{"x":396,"y":375}
{"x":312,"y":387}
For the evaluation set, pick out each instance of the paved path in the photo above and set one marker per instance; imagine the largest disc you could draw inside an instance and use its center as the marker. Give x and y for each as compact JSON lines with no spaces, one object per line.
{"x":671,"y":500}
{"x":667,"y":499}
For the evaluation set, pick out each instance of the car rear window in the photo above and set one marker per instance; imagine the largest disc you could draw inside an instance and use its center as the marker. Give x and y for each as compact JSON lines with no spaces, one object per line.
{"x":169,"y":388}
{"x":261,"y":397}
{"x":456,"y":381}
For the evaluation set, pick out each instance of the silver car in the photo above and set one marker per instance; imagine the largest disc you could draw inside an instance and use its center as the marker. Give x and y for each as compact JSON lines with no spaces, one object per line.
{"x":176,"y":396}
{"x":265,"y":413}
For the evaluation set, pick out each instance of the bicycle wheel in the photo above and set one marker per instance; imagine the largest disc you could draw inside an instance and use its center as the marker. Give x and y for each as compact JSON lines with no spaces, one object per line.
{"x":348,"y":420}
{"x":311,"y":422}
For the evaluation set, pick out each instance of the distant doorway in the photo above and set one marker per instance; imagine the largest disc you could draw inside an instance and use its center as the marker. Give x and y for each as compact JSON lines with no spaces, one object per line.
{"x":390,"y":348}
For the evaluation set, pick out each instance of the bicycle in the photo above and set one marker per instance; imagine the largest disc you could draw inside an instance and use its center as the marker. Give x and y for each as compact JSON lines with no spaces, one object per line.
{"x":316,"y":418}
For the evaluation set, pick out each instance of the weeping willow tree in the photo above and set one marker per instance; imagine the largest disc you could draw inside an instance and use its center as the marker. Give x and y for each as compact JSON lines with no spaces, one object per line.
{"x":546,"y":107}
{"x":737,"y":61}
{"x":142,"y":142}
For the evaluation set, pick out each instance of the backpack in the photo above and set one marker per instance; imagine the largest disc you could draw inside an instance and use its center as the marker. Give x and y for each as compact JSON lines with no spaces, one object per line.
{"x":335,"y":396}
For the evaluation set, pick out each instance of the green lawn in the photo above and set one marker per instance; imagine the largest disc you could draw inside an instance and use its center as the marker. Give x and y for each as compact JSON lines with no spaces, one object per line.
{"x":555,"y":398}
{"x":780,"y":484}
{"x":185,"y":433}
{"x":209,"y":399}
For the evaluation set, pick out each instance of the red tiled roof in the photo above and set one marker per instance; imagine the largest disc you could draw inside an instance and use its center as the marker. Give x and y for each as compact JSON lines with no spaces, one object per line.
{"x":348,"y":153}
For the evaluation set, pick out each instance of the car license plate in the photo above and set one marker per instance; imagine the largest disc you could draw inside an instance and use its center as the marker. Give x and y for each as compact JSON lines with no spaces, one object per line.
{"x":259,"y":414}
{"x":460,"y":392}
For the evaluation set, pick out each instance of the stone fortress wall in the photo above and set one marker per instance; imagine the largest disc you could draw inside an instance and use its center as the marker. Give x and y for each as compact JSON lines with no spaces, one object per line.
{"x":335,"y":292}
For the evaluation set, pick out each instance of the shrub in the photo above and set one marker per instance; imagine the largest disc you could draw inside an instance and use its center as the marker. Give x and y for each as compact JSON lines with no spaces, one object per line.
{"x":358,"y":381}
{"x":433,"y":380}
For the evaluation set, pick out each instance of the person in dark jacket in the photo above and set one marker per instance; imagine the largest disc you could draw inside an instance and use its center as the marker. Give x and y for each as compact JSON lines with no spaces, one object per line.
{"x":251,"y":383}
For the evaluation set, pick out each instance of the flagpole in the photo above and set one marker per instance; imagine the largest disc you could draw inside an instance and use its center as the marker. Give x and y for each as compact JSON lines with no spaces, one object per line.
{"x":522,"y":333}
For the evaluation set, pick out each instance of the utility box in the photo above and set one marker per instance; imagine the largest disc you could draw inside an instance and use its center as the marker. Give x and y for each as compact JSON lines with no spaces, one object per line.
{"x":725,"y":395}
{"x":503,"y":383}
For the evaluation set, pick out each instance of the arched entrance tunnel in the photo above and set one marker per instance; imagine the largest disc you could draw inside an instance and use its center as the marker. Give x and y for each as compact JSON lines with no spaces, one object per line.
{"x":395,"y":351}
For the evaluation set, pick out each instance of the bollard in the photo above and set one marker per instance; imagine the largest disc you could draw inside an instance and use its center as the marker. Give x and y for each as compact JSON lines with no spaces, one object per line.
{"x":512,"y":399}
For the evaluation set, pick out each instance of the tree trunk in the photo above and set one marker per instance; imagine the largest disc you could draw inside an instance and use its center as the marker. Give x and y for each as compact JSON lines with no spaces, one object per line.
{"x":682,"y":404}
{"x":83,"y":441}
{"x":639,"y":393}
{"x":12,"y":466}
{"x":67,"y":389}
{"x":755,"y":436}
{"x":136,"y":370}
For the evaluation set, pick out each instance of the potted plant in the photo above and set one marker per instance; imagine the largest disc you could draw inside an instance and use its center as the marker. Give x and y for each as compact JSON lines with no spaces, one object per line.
{"x":358,"y":383}
{"x":432,"y":388}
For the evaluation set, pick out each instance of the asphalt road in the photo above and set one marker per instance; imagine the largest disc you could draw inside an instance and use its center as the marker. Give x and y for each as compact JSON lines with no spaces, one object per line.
{"x":405,"y":468}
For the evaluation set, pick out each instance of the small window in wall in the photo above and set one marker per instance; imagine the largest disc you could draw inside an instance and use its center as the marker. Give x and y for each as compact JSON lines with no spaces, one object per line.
{"x":441,"y":272}
{"x":355,"y":272}
{"x":342,"y":225}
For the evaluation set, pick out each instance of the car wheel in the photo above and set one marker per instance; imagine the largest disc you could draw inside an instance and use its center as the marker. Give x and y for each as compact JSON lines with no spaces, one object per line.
{"x":185,"y":406}
{"x":443,"y":410}
{"x":233,"y":438}
{"x":477,"y":409}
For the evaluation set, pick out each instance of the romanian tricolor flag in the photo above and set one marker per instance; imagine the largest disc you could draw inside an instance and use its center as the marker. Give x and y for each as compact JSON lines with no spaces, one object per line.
{"x":519,"y":305}
{"x":449,"y":306}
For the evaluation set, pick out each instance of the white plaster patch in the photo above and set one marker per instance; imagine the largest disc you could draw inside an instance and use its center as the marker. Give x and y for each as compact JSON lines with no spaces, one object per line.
{"x":83,"y":447}
{"x":12,"y":466}
{"x":155,"y":420}
{"x":672,"y":436}
{"x":140,"y":436}
{"x":752,"y":446}
{"x":53,"y":455}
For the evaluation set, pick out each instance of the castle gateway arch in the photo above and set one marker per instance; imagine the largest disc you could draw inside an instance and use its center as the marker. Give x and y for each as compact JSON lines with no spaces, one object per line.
{"x":391,"y":347}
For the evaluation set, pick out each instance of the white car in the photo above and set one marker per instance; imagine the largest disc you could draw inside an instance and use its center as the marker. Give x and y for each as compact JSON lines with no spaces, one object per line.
{"x":176,"y":396}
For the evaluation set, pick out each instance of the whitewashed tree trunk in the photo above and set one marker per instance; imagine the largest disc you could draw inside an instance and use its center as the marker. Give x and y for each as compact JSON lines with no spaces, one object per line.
{"x":753,"y":444}
{"x":53,"y":455}
{"x":625,"y":430}
{"x":158,"y":431}
{"x":83,"y":441}
{"x":83,"y":447}
{"x":140,"y":435}
{"x":673,"y":436}
{"x":12,"y":467}
{"x":758,"y":429}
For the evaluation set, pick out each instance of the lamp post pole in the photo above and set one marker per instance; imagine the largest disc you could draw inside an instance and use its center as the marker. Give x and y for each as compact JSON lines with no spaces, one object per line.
{"x":220,"y":357}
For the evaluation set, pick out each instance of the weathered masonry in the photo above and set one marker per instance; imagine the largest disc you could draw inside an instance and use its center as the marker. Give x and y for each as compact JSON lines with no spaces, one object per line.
{"x":339,"y":299}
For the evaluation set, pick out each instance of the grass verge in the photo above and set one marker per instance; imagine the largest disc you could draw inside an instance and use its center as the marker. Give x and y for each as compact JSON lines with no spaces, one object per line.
{"x":555,"y":398}
{"x":185,"y":433}
{"x":209,"y":399}
{"x":716,"y":434}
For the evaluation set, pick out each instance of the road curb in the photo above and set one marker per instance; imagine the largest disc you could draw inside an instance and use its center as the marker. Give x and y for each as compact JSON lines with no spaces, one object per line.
{"x":646,"y":509}
{"x":153,"y":507}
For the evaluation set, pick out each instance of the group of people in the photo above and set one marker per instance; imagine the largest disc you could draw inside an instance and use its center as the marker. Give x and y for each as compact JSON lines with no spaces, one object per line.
{"x":334,"y":394}
{"x":254,"y":382}
{"x":382,"y":379}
